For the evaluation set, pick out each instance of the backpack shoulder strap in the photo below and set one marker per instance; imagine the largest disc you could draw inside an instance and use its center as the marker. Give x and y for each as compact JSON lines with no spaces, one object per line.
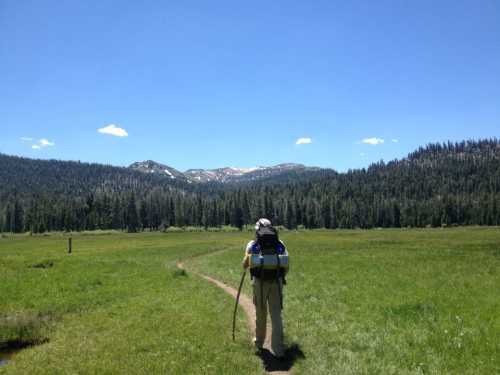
{"x":255,"y":248}
{"x":280,"y":248}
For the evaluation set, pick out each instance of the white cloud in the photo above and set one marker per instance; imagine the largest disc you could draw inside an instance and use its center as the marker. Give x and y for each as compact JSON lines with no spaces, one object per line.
{"x":373,"y":141}
{"x":303,"y":141}
{"x":394,"y":140}
{"x":26,"y":139}
{"x":42,"y":143}
{"x":112,"y":129}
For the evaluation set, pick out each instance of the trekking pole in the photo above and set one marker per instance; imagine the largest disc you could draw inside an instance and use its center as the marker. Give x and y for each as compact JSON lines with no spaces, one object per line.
{"x":237,"y":300}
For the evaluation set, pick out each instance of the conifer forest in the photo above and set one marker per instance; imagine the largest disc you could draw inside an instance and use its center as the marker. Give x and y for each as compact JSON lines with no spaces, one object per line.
{"x":437,"y":185}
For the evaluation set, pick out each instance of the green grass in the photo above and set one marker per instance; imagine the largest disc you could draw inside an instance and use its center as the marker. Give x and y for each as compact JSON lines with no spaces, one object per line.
{"x":389,"y":301}
{"x":357,"y":302}
{"x":116,"y":305}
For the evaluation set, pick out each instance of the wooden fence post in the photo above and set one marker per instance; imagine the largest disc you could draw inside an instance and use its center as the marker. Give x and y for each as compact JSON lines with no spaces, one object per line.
{"x":69,"y":245}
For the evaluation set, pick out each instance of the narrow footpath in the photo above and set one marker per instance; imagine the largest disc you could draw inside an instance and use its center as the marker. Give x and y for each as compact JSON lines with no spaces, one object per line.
{"x":270,"y":363}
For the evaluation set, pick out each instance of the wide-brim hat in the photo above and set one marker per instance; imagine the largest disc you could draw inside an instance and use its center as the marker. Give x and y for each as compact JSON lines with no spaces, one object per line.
{"x":263,"y":222}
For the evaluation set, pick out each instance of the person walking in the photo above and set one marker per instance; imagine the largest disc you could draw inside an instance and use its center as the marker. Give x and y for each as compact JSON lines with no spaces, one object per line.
{"x":267,"y":258}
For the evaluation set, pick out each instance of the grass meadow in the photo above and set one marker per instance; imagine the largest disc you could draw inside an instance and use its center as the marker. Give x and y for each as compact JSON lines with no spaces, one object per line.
{"x":357,"y":302}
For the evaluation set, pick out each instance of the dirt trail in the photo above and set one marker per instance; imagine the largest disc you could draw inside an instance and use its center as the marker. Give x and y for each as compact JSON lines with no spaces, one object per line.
{"x":271,"y":364}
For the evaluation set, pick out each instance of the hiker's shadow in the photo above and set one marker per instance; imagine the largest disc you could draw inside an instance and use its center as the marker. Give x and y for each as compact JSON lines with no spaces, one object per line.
{"x":271,"y":363}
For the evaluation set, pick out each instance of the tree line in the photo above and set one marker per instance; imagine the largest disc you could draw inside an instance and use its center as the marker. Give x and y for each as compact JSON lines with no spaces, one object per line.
{"x":440,"y":184}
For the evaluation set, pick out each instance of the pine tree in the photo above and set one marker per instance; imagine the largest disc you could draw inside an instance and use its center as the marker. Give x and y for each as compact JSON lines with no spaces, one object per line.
{"x":8,"y":219}
{"x":143,"y":215}
{"x":132,"y":218}
{"x":18,"y":217}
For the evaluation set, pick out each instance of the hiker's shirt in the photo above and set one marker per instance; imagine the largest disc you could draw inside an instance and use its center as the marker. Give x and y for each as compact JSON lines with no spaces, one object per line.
{"x":248,"y":253}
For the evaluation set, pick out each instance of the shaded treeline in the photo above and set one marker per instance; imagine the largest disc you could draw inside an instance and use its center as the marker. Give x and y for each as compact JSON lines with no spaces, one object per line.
{"x":440,"y":184}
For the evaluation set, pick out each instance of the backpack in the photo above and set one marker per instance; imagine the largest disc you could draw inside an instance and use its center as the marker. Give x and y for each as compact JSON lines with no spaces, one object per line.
{"x":269,"y":258}
{"x":267,"y":238}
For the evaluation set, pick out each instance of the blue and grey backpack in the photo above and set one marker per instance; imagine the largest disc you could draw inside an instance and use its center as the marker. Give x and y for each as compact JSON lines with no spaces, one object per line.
{"x":268,"y":255}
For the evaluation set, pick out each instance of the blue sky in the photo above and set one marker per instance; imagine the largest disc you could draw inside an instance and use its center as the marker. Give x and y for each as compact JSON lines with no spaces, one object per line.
{"x":216,"y":83}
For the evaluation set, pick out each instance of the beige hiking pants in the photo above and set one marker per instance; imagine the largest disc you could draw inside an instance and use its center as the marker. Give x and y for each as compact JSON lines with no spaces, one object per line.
{"x":268,"y":296}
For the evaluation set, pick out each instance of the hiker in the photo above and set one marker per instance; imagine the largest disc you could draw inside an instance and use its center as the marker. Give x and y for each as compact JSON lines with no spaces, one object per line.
{"x":267,"y":258}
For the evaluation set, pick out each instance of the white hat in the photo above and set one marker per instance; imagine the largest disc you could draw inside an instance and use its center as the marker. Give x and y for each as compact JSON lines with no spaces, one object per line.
{"x":263,"y":222}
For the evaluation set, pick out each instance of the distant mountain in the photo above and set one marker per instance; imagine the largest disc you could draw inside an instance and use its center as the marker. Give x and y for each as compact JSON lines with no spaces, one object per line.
{"x":226,"y":174}
{"x":150,"y":166}
{"x":222,"y":175}
{"x":25,"y":176}
{"x":437,"y":185}
{"x":233,"y":174}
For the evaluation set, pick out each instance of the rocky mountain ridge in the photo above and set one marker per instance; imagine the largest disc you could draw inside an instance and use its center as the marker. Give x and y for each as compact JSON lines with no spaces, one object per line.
{"x":223,"y":175}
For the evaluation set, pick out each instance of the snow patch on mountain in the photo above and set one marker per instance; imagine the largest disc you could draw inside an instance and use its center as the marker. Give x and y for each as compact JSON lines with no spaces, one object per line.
{"x":153,"y":167}
{"x":222,"y":175}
